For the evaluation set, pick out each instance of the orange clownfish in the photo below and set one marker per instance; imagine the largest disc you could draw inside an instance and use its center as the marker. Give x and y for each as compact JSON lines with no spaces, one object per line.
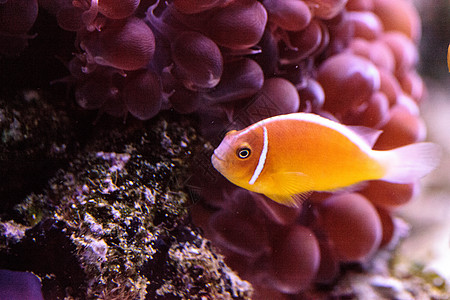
{"x":448,"y":57}
{"x":286,"y":157}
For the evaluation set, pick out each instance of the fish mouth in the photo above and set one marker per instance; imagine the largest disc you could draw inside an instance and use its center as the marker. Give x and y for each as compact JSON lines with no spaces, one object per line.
{"x":217,"y":161}
{"x":215,"y":155}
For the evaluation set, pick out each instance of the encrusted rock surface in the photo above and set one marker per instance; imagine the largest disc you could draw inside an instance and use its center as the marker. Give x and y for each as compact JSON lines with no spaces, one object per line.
{"x":114,"y":223}
{"x":36,"y":140}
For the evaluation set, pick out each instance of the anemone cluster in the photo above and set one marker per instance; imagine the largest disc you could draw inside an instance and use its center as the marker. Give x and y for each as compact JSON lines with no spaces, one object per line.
{"x":235,"y":62}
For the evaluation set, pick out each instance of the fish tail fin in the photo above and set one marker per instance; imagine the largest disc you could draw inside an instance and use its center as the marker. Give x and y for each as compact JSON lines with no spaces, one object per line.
{"x":409,"y":163}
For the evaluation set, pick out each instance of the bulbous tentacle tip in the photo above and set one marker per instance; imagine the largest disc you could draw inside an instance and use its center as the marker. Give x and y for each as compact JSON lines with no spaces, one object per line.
{"x":17,"y":17}
{"x":296,"y":261}
{"x":124,"y":44}
{"x":240,"y":79}
{"x":198,"y":60}
{"x":326,"y":9}
{"x":239,"y":25}
{"x":89,"y":15}
{"x":189,"y":7}
{"x":70,"y":18}
{"x":118,"y":9}
{"x":142,"y":94}
{"x":288,"y":14}
{"x":360,"y":234}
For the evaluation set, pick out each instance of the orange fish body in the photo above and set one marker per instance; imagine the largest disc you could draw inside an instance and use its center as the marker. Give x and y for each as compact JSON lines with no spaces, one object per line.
{"x":285,"y":157}
{"x":448,"y":57}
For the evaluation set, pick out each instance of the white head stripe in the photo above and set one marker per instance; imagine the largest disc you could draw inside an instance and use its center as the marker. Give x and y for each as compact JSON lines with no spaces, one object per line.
{"x":262,"y":158}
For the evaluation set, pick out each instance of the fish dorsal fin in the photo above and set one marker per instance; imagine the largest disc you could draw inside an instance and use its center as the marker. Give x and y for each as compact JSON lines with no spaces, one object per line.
{"x":369,"y":135}
{"x":293,"y":188}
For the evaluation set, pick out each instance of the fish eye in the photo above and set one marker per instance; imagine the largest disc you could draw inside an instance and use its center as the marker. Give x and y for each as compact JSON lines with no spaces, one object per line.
{"x":243,"y":152}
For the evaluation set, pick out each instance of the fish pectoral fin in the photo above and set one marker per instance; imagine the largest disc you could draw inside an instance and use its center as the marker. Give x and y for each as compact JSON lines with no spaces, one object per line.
{"x":292,"y":182}
{"x":291,"y":188}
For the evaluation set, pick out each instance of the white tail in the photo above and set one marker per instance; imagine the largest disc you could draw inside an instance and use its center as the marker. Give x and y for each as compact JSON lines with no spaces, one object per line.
{"x":409,"y":163}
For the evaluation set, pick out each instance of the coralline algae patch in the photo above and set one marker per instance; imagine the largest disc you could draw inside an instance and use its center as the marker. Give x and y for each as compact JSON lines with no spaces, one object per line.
{"x":233,"y":63}
{"x":114,"y":225}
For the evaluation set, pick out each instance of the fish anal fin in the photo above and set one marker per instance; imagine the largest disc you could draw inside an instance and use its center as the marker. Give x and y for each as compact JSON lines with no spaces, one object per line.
{"x":282,"y":199}
{"x":299,"y":199}
{"x":369,"y":135}
{"x":351,"y":188}
{"x":291,"y":188}
{"x":296,"y":200}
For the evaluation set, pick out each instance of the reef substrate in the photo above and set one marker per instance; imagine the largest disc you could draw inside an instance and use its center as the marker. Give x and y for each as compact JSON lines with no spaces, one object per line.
{"x":113,"y":223}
